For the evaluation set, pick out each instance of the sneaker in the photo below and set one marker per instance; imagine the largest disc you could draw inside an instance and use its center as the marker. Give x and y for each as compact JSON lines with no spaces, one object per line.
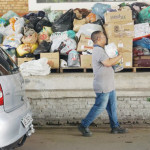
{"x":85,"y":131}
{"x":118,"y":130}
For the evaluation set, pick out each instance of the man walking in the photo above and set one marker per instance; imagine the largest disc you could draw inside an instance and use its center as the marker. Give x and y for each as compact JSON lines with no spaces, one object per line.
{"x":103,"y":86}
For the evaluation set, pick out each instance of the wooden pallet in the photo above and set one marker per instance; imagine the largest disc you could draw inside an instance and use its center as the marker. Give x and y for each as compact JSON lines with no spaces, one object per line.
{"x":85,"y":70}
{"x":55,"y":70}
{"x":137,"y":69}
{"x":75,"y":69}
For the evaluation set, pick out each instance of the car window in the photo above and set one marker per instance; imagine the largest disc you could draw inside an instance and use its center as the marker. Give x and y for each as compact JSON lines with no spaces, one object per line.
{"x":7,"y":66}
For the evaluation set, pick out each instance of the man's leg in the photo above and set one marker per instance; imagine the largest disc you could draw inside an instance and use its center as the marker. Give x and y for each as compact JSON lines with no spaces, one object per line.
{"x":112,"y":112}
{"x":99,"y":106}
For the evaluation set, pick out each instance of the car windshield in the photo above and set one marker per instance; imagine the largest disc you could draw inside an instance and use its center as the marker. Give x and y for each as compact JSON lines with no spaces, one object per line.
{"x":7,"y":65}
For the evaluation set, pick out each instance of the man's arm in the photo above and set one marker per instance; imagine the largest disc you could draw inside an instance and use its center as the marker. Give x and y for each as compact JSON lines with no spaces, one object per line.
{"x":111,"y":61}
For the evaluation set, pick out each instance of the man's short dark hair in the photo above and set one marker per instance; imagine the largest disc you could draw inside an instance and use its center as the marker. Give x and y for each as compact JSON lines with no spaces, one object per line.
{"x":95,"y":36}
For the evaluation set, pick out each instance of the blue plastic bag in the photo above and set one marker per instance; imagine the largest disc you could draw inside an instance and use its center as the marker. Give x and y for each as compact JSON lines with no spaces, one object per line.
{"x":144,"y":15}
{"x":100,"y":9}
{"x":9,"y":15}
{"x":144,"y":42}
{"x":3,"y":22}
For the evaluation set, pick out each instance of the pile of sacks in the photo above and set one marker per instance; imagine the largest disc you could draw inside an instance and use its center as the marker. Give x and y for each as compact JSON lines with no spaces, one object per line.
{"x":50,"y":31}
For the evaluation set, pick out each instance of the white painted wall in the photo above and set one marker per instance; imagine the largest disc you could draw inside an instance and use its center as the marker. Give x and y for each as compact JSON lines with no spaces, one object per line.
{"x":34,"y":6}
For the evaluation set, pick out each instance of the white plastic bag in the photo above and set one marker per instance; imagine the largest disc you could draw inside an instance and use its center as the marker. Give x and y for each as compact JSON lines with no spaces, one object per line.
{"x":9,"y":15}
{"x":35,"y":67}
{"x":64,"y":46}
{"x":88,"y":29}
{"x":59,"y":35}
{"x":111,"y":50}
{"x":63,"y":63}
{"x":8,"y":30}
{"x":73,"y":59}
{"x":19,"y":24}
{"x":13,"y":40}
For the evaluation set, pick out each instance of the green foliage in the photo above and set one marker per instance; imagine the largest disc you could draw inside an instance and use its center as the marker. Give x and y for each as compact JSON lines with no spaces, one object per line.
{"x":148,"y":99}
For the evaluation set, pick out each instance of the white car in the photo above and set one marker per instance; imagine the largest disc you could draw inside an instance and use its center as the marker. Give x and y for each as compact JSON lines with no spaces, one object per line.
{"x":15,"y":113}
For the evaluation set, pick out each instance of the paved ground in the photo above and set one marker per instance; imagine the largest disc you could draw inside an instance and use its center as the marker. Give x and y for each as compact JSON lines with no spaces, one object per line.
{"x":70,"y":139}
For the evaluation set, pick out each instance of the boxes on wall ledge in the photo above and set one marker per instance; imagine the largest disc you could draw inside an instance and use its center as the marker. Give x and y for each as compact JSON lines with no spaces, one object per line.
{"x":53,"y":59}
{"x":126,"y":46}
{"x":86,"y":61}
{"x":120,"y":29}
{"x":119,"y":16}
{"x":22,"y":60}
{"x":85,"y":43}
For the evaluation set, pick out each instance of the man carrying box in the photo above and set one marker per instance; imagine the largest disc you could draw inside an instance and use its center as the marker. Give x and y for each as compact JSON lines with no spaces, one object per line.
{"x":103,"y":86}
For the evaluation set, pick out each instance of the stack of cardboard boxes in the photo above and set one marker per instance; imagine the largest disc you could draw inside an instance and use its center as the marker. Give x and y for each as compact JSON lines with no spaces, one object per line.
{"x":120,"y":30}
{"x":85,"y":43}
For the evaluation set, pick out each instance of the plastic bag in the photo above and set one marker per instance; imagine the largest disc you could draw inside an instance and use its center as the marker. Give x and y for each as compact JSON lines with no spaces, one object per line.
{"x":31,"y":39}
{"x":63,"y":35}
{"x":111,"y":50}
{"x":100,"y":21}
{"x":78,"y":14}
{"x":39,"y":14}
{"x":54,"y":15}
{"x":9,"y":15}
{"x":3,"y":22}
{"x":34,"y":20}
{"x":78,"y":23}
{"x":43,"y":36}
{"x":88,"y":29}
{"x":91,"y":18}
{"x":81,"y":13}
{"x":99,"y":9}
{"x":144,"y":42}
{"x":12,"y":22}
{"x":63,"y":63}
{"x":129,"y":7}
{"x":47,"y":29}
{"x":26,"y":48}
{"x":43,"y":48}
{"x":13,"y":40}
{"x":15,"y":29}
{"x":35,"y":67}
{"x":71,"y":34}
{"x":140,"y":51}
{"x":28,"y":31}
{"x":138,"y":6}
{"x":44,"y":22}
{"x":18,"y":25}
{"x":64,"y":46}
{"x":64,"y":23}
{"x":1,"y":38}
{"x":73,"y":59}
{"x":11,"y":51}
{"x":144,"y":15}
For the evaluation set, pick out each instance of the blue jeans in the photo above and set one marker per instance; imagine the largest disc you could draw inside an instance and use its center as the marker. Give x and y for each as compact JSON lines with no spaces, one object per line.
{"x":103,"y":101}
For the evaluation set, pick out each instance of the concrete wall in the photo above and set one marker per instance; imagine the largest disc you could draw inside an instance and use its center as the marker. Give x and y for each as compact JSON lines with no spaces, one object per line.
{"x":64,"y":99}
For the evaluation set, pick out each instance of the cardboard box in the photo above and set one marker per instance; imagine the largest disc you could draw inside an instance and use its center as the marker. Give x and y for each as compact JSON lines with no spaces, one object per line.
{"x":86,"y":61}
{"x":22,"y":60}
{"x":53,"y":59}
{"x":119,"y":16}
{"x":125,"y":45}
{"x":120,"y":29}
{"x":84,"y":43}
{"x":141,"y":61}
